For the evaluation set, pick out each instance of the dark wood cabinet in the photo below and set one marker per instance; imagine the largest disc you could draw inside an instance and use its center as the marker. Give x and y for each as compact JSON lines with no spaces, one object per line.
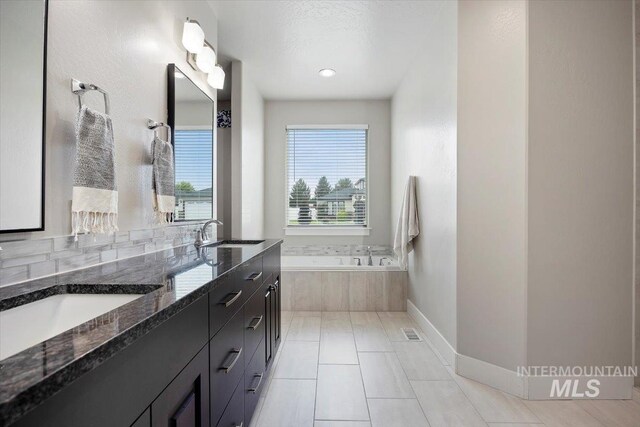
{"x":185,"y":402}
{"x":205,"y":366}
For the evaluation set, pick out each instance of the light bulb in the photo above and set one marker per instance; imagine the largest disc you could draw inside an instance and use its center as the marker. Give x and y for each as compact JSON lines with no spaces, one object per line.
{"x":192,"y":37}
{"x":216,"y":78}
{"x":206,"y":59}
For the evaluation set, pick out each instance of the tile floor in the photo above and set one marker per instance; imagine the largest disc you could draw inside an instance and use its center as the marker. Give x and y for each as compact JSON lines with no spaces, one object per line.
{"x":341,"y":369}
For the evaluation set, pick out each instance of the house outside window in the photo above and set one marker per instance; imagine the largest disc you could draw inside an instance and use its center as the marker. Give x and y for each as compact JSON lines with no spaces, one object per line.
{"x":327,"y":171}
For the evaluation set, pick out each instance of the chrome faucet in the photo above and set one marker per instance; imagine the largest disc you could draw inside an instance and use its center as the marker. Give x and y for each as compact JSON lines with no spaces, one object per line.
{"x":358,"y":261}
{"x":369,"y":260}
{"x":381,"y":260}
{"x":202,"y":238}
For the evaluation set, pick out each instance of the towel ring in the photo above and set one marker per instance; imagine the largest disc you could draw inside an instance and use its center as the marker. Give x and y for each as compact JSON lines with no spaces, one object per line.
{"x":152,"y":124}
{"x":79,"y":88}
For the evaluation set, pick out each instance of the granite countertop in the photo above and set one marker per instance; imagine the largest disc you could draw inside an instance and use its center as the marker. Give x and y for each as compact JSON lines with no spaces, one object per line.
{"x":168,"y":280}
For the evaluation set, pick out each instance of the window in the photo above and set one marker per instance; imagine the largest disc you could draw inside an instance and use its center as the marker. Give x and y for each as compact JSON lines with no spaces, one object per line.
{"x":327,"y":176}
{"x":193,"y":150}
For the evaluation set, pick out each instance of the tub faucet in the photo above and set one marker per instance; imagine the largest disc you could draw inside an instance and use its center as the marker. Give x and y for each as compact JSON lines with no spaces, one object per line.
{"x":381,"y":260}
{"x":369,"y":260}
{"x":358,"y":261}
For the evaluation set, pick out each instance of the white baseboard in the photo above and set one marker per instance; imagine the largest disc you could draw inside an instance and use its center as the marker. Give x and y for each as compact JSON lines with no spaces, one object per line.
{"x":526,"y":387}
{"x":440,"y":343}
{"x":491,"y":375}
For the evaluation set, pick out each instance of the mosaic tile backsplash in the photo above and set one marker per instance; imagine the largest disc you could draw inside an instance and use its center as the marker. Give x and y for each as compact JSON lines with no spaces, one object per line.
{"x":22,"y":260}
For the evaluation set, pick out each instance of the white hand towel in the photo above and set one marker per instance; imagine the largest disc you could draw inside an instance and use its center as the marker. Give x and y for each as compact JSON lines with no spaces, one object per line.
{"x":408,"y":226}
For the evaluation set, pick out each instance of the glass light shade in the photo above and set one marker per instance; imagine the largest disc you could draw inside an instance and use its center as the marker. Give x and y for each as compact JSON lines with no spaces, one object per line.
{"x":206,"y":59}
{"x":216,"y":78}
{"x":192,"y":37}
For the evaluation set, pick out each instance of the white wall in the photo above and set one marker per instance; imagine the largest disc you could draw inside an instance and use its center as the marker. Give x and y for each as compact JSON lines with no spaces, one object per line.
{"x":123,"y":47}
{"x":423,"y":117}
{"x":492,"y":181}
{"x":253,"y":165}
{"x":279,"y":114}
{"x":581,"y":193}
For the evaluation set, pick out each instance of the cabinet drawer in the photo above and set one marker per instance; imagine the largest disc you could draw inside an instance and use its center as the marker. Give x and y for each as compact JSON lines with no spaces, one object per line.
{"x":225,"y":301}
{"x":251,"y":276}
{"x":254,"y":322}
{"x":185,"y":402}
{"x":234,"y":414}
{"x":226,"y":364}
{"x":254,"y":381}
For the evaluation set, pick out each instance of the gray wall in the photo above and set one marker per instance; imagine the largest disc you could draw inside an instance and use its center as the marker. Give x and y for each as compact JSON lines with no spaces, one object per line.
{"x":492,"y":181}
{"x":279,"y":114}
{"x":581,"y":189}
{"x":423,"y":118}
{"x":130,"y":63}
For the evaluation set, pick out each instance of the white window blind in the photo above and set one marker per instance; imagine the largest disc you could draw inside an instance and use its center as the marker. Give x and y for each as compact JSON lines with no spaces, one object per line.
{"x":193,"y":151}
{"x":327,"y":176}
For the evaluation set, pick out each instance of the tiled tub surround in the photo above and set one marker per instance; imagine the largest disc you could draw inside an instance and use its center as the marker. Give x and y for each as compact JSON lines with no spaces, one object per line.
{"x":32,"y":259}
{"x":344,"y":290}
{"x":177,"y":277}
{"x":338,"y":250}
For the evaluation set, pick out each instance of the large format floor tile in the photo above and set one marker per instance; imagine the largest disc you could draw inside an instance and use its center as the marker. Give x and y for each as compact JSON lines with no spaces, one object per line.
{"x":420,"y":362}
{"x":336,"y":321}
{"x":288,"y":403}
{"x":340,"y":394}
{"x":383,"y":376}
{"x":298,"y":360}
{"x":495,"y":406}
{"x":396,"y":413}
{"x":561,"y":413}
{"x":445,"y":405}
{"x":304,"y":329}
{"x":338,"y":348}
{"x":342,"y":424}
{"x":369,"y":333}
{"x":623,"y":413}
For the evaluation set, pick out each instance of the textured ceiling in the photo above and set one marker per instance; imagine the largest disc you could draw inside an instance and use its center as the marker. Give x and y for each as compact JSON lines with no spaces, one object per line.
{"x":283,"y":44}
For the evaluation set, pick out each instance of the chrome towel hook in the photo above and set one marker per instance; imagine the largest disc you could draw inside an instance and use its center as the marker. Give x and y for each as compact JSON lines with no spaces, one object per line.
{"x":152,"y":124}
{"x":79,"y":88}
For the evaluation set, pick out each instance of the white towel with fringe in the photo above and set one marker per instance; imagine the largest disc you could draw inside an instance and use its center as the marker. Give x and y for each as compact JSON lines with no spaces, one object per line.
{"x":94,"y":208}
{"x":408,"y":226}
{"x":163,"y":181}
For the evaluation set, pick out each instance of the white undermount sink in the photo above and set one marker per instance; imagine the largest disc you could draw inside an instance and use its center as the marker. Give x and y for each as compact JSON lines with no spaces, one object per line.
{"x":29,"y":324}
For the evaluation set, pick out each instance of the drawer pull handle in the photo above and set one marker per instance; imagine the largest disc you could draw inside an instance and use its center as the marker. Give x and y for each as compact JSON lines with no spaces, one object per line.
{"x":277,"y":284}
{"x":254,"y":276}
{"x":239,"y":425}
{"x":229,"y":364}
{"x":231,"y":300}
{"x":255,"y":388}
{"x":255,"y":325}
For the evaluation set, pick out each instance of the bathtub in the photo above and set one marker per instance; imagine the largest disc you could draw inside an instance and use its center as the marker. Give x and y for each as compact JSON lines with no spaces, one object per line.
{"x":338,"y":263}
{"x":337,"y":283}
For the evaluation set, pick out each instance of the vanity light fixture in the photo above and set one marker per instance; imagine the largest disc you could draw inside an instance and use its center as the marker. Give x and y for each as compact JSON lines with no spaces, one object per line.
{"x":327,"y":72}
{"x":216,"y":78}
{"x":201,"y":56}
{"x":192,"y":36}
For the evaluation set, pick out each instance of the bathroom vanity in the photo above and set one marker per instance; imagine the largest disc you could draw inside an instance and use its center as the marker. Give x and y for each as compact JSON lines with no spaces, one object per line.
{"x":192,"y":346}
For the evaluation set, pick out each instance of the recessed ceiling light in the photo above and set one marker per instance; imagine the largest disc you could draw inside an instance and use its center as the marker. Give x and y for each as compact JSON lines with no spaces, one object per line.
{"x":327,"y":72}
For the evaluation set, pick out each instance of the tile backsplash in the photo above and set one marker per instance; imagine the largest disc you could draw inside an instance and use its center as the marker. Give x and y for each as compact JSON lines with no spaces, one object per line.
{"x":319,"y":250}
{"x":22,"y":260}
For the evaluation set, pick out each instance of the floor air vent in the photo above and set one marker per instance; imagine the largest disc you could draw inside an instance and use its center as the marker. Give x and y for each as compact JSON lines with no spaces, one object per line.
{"x":411,"y":334}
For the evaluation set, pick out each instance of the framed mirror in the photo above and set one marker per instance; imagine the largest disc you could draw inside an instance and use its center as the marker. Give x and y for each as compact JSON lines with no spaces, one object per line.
{"x":23,"y":71}
{"x":191,"y":117}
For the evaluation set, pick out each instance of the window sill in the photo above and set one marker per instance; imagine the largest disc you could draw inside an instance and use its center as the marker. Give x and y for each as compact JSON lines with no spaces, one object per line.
{"x":327,"y":231}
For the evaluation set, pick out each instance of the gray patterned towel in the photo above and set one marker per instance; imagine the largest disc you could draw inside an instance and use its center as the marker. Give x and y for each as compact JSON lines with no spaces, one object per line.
{"x":94,"y":208}
{"x":162,"y":183}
